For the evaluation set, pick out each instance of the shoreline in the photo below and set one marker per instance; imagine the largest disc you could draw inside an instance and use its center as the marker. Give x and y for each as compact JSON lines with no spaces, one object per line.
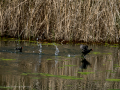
{"x":59,"y":41}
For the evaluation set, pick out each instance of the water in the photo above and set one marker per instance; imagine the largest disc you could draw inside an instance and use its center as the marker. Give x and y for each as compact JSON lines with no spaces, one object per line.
{"x":58,"y":67}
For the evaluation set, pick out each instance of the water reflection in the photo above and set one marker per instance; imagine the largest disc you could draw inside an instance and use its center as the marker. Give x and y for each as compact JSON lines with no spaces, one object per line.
{"x":85,"y":64}
{"x":57,"y":50}
{"x":56,"y":54}
{"x":40,"y":50}
{"x":34,"y":71}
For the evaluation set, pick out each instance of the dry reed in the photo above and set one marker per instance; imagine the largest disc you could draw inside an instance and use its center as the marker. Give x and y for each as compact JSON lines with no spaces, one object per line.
{"x":69,"y":20}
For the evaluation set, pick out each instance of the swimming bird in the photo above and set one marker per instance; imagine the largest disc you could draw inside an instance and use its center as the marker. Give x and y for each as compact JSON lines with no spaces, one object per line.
{"x":85,"y":49}
{"x":19,"y":48}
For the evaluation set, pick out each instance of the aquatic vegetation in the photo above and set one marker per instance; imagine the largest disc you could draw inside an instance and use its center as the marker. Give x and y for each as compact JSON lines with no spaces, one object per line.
{"x":33,"y":41}
{"x":85,"y":73}
{"x":18,"y":40}
{"x":34,"y":73}
{"x":70,"y":65}
{"x":60,"y":60}
{"x":34,"y":44}
{"x":24,"y":74}
{"x":107,"y":53}
{"x":46,"y":74}
{"x":96,"y":53}
{"x":77,"y":44}
{"x":109,"y":70}
{"x":49,"y":59}
{"x":61,"y":76}
{"x":6,"y":87}
{"x":50,"y":87}
{"x":113,"y":72}
{"x":7,"y":39}
{"x":106,"y":44}
{"x":113,"y":80}
{"x":67,"y":57}
{"x":114,"y":46}
{"x":30,"y":74}
{"x":8,"y":59}
{"x":116,"y":66}
{"x":70,"y":77}
{"x":100,"y":53}
{"x":50,"y":44}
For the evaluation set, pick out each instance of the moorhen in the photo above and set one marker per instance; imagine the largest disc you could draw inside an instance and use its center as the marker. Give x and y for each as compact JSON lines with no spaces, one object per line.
{"x":19,"y":48}
{"x":85,"y":49}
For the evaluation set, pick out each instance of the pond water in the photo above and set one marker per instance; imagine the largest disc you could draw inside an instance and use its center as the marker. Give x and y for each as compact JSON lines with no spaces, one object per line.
{"x":45,"y":66}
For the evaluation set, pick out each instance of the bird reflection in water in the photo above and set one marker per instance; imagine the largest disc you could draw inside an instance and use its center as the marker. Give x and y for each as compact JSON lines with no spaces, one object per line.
{"x":84,"y":65}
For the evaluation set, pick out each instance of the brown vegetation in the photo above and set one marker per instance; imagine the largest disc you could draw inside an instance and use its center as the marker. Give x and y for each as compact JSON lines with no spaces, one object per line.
{"x":55,"y":20}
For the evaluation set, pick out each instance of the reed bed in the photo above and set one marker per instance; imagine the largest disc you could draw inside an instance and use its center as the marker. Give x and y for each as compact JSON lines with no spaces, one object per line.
{"x":61,"y":20}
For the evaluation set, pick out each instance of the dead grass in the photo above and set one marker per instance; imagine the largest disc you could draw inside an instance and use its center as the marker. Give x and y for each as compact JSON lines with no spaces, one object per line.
{"x":69,"y":20}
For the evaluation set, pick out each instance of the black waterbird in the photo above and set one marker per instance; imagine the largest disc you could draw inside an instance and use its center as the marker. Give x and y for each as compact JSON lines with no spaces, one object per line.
{"x":85,"y":49}
{"x":19,"y":48}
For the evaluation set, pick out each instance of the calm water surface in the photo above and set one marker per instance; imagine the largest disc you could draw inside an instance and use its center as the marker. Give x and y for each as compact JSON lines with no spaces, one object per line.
{"x":32,"y":70}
